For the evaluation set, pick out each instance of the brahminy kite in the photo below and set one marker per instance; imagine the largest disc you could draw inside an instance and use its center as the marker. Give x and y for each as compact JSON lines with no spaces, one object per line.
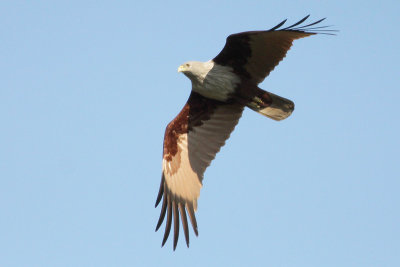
{"x":221,"y":88}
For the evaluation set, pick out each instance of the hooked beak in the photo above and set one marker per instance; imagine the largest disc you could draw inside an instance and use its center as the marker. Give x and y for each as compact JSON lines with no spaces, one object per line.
{"x":181,"y":68}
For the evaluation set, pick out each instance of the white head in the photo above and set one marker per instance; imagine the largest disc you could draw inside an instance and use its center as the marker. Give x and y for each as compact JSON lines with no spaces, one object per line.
{"x":196,"y":71}
{"x":210,"y":80}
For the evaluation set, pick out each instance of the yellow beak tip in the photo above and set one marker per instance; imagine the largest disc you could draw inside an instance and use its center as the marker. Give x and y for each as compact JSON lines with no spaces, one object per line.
{"x":180,"y":69}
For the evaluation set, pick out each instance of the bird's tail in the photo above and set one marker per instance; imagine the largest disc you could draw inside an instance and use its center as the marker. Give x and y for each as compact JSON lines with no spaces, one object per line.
{"x":271,"y":105}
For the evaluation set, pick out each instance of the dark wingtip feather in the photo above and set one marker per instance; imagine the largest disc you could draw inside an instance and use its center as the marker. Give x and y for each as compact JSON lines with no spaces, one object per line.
{"x":184,"y":222}
{"x":306,"y":28}
{"x":176,"y":223}
{"x":161,"y":191}
{"x":297,"y":23}
{"x":192,"y":217}
{"x":311,"y":24}
{"x":277,"y":26}
{"x":162,"y":213}
{"x":168,"y":225}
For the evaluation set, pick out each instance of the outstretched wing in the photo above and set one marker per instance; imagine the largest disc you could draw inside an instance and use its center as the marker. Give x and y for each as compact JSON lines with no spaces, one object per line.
{"x":253,"y":55}
{"x":191,"y":142}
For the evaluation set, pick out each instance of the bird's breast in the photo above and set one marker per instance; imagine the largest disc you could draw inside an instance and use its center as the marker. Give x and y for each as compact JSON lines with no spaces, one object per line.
{"x":218,"y":83}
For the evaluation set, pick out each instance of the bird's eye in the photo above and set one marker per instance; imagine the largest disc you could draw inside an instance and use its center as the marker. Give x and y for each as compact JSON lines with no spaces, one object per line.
{"x":187,"y":65}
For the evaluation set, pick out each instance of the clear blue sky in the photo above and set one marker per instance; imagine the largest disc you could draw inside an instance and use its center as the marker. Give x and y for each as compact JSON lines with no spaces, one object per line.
{"x":87,"y":88}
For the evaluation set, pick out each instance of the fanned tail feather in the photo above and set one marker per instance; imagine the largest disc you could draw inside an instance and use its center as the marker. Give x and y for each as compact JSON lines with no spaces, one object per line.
{"x":271,"y":105}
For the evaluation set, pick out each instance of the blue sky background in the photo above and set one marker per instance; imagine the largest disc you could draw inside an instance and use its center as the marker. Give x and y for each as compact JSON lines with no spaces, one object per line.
{"x":88,"y":87}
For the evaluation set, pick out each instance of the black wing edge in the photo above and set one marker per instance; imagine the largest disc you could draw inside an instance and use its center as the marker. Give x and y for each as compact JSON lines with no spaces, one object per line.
{"x":173,"y":206}
{"x":306,"y":28}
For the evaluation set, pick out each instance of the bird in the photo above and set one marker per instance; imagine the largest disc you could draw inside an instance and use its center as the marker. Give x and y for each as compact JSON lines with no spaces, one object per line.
{"x":221,"y":89}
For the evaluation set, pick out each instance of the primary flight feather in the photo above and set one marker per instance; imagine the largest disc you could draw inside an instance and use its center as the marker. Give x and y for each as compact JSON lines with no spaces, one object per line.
{"x":221,"y":88}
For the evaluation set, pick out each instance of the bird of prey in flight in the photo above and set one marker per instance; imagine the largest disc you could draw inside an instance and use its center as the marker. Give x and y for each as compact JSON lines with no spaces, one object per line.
{"x":221,"y":88}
